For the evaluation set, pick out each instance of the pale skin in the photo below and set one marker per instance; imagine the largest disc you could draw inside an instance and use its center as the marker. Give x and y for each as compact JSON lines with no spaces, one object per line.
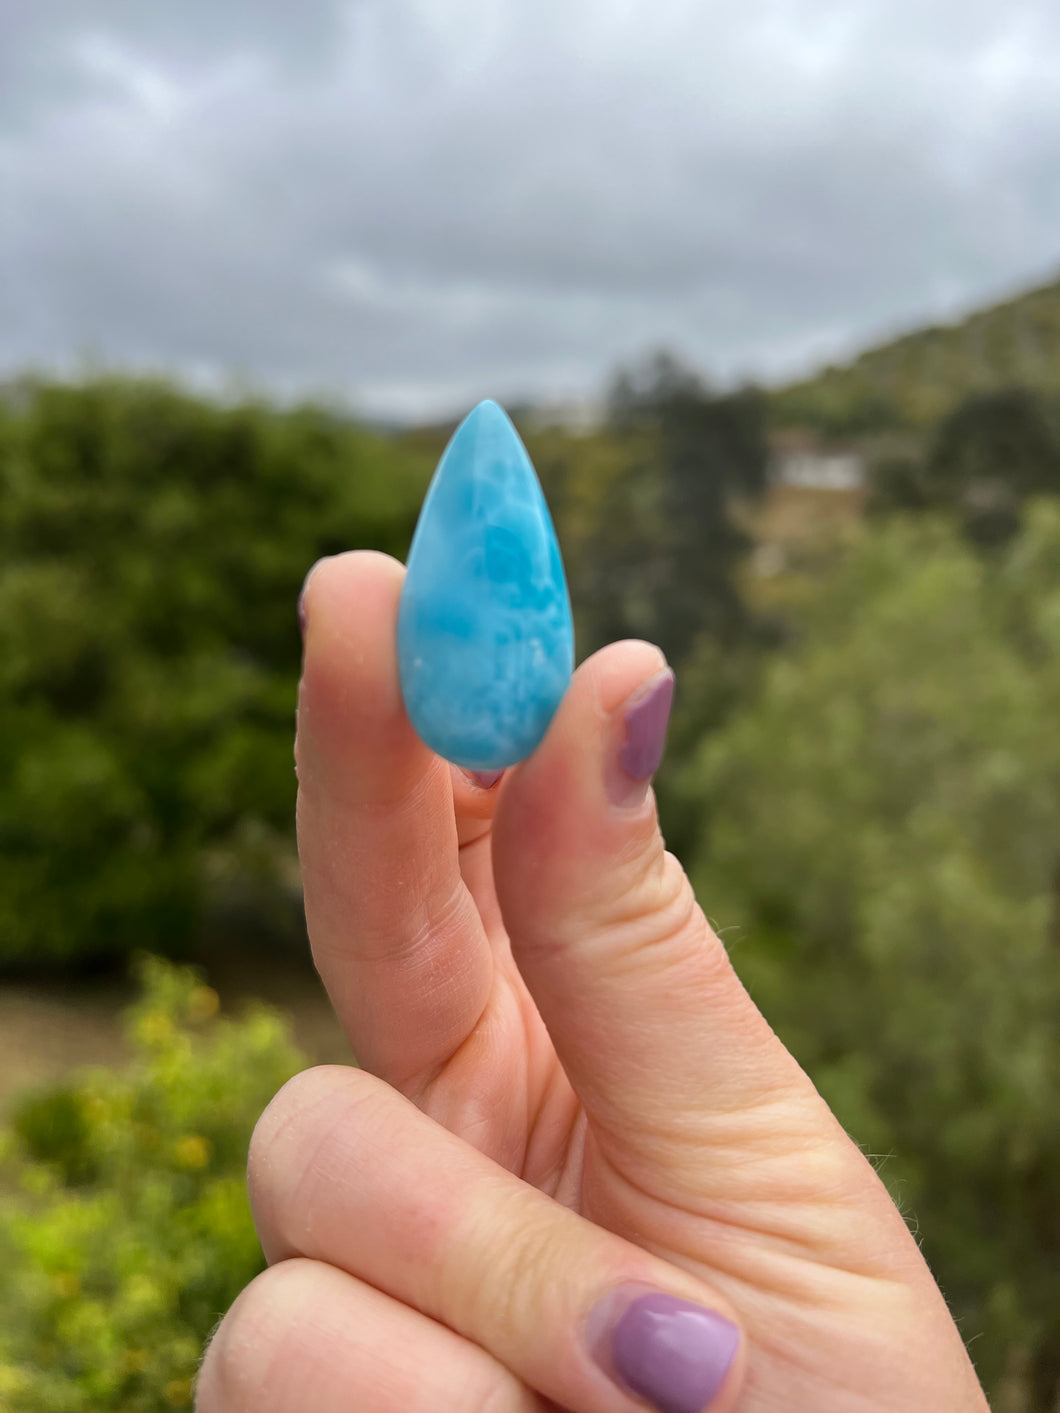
{"x":564,"y":1091}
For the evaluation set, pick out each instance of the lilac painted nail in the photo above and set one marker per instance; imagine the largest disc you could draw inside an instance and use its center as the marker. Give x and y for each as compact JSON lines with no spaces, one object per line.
{"x":646,"y":721}
{"x":485,"y":779}
{"x":673,"y":1354}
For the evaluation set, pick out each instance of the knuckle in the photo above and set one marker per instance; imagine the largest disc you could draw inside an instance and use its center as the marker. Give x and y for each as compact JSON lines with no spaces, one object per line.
{"x":652,"y":920}
{"x":301,"y":1094}
{"x":292,"y":1340}
{"x":303,"y":1144}
{"x":259,"y":1335}
{"x":283,"y":1137}
{"x":503,"y":1288}
{"x":638,"y":881}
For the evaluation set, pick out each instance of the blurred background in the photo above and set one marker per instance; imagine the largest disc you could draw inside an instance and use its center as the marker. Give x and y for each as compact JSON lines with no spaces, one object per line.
{"x":773,"y":293}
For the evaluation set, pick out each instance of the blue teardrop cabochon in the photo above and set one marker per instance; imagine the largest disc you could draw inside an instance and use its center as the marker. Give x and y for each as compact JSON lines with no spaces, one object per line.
{"x":485,"y":636}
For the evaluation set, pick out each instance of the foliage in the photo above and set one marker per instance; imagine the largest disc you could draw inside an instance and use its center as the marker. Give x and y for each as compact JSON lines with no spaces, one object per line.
{"x":127,"y":1232}
{"x":152,"y":547}
{"x":664,"y":549}
{"x":984,"y":461}
{"x":873,"y":814}
{"x":882,"y":855}
{"x":916,"y":380}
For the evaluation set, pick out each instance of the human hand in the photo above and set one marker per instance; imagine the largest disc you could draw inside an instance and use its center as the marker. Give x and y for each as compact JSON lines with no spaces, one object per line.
{"x":528,"y":967}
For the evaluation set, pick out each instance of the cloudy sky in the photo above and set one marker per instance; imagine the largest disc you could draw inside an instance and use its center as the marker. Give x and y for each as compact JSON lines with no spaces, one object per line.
{"x":408,"y":204}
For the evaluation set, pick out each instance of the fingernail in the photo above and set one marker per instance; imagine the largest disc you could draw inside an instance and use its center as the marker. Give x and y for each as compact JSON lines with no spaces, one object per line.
{"x":301,"y":596}
{"x":673,"y":1354}
{"x":644,"y":718}
{"x":485,"y":779}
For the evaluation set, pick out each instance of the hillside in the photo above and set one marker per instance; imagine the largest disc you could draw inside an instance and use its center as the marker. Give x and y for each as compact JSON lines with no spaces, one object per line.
{"x":913,"y":380}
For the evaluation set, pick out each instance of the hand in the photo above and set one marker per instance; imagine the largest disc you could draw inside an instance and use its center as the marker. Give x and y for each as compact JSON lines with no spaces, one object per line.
{"x":603,"y":1110}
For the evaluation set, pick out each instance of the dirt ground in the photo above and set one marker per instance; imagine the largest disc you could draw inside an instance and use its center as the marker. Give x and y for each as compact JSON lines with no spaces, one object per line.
{"x":48,"y":1030}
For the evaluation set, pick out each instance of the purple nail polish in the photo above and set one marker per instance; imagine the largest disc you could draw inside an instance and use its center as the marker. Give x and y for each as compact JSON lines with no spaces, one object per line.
{"x":646,"y":721}
{"x":673,"y":1354}
{"x":485,"y":779}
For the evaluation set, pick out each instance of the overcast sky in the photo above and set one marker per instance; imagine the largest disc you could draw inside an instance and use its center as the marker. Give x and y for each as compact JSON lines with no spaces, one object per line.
{"x":410,"y":204}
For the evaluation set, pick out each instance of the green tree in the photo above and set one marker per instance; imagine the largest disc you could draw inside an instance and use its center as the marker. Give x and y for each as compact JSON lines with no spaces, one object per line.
{"x":880,"y":851}
{"x":989,"y":455}
{"x":151,"y":551}
{"x":985,"y":459}
{"x":663,"y":560}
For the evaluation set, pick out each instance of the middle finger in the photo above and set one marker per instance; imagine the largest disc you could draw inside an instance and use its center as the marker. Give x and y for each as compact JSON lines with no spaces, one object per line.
{"x":304,"y":1335}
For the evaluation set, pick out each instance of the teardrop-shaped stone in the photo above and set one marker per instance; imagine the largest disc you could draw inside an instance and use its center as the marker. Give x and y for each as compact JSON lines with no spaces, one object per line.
{"x":485,"y":637}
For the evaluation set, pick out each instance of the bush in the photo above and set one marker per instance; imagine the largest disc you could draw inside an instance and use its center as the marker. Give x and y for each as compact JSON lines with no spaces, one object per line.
{"x":126,"y":1232}
{"x":882,"y":855}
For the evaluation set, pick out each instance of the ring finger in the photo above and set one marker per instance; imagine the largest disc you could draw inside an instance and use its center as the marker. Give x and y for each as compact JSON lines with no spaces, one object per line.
{"x":305,"y":1337}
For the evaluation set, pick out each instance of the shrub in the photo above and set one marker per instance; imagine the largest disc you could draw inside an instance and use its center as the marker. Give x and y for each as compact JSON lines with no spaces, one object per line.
{"x":125,"y":1231}
{"x":882,"y":855}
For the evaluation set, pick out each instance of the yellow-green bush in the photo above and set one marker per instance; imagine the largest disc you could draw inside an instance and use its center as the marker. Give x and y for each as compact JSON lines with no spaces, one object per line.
{"x":125,"y":1230}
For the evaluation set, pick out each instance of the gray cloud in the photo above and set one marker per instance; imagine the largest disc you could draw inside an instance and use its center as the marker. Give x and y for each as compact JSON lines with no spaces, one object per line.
{"x":413,"y":204}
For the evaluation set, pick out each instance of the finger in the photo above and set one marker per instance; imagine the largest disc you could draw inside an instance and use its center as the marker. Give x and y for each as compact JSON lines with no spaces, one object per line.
{"x":395,"y":932}
{"x":475,"y":795}
{"x":649,"y":1020}
{"x":305,"y":1337}
{"x":345,"y":1170}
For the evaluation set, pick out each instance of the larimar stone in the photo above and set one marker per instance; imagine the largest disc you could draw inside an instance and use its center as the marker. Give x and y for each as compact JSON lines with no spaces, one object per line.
{"x":485,"y":638}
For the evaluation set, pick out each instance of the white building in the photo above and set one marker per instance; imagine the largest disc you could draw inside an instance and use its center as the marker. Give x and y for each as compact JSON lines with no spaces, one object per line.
{"x":817,"y":468}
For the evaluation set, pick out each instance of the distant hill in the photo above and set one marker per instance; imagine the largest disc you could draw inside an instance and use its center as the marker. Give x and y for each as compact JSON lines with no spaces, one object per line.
{"x":913,"y":380}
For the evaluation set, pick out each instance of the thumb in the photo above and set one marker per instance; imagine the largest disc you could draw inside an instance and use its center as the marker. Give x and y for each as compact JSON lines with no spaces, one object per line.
{"x":645,"y":1011}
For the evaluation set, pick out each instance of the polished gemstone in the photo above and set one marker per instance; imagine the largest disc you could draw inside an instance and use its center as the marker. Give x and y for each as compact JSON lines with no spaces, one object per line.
{"x":485,"y":639}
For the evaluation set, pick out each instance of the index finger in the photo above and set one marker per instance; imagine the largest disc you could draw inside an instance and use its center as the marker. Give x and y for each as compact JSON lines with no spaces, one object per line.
{"x":395,"y":932}
{"x":344,"y":1170}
